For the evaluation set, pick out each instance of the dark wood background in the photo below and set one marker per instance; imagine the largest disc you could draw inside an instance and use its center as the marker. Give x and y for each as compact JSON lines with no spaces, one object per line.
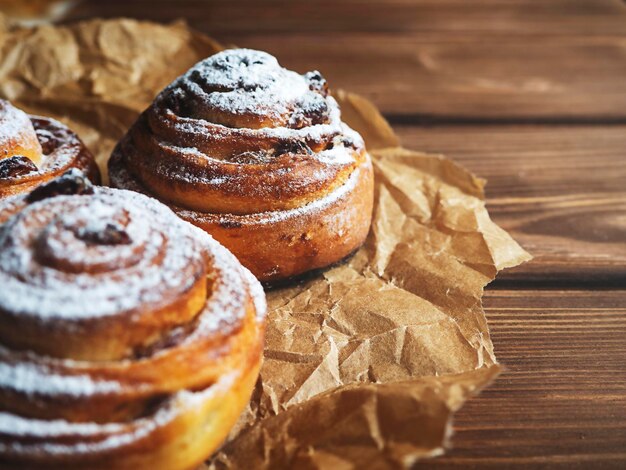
{"x":532,"y":96}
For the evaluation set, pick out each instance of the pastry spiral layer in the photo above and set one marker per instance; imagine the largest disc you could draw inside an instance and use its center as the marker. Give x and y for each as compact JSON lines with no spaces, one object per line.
{"x":36,"y":149}
{"x":257,"y":156}
{"x":128,"y":337}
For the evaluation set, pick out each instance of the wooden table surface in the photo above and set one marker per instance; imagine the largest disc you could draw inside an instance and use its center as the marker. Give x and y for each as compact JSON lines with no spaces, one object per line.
{"x":531,"y":95}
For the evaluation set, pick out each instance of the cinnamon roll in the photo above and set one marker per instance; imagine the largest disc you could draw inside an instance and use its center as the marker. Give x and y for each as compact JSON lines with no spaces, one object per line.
{"x":35,"y":149}
{"x":257,"y":156}
{"x":129,"y":339}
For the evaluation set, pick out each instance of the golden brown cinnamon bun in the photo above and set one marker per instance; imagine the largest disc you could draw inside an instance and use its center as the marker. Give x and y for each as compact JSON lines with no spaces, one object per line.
{"x":35,"y":149}
{"x":129,"y":339}
{"x":258,"y":157}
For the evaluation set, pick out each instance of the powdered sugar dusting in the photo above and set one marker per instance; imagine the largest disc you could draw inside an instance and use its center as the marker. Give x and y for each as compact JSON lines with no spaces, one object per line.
{"x":246,"y":132}
{"x":60,"y":437}
{"x":78,"y":283}
{"x":16,"y":128}
{"x":30,"y":379}
{"x":244,"y":81}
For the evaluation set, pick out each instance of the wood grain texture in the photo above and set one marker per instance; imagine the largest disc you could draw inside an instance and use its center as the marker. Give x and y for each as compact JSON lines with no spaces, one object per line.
{"x":556,"y":17}
{"x":561,"y":403}
{"x":559,"y":190}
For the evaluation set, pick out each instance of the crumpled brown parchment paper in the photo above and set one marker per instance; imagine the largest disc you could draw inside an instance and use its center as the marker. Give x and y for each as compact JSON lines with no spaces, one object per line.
{"x":365,"y":363}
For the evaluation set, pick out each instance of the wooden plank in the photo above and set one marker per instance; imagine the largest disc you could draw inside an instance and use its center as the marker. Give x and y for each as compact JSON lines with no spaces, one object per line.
{"x":561,"y":403}
{"x":560,"y":191}
{"x":557,"y":17}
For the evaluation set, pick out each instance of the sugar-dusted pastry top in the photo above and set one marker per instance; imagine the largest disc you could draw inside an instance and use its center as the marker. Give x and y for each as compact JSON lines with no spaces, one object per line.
{"x":35,"y":149}
{"x":240,"y":134}
{"x":120,"y":324}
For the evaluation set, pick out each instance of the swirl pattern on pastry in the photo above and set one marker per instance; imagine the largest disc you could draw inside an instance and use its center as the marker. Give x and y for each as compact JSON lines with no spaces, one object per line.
{"x":35,"y":149}
{"x":239,"y":142}
{"x":128,"y":337}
